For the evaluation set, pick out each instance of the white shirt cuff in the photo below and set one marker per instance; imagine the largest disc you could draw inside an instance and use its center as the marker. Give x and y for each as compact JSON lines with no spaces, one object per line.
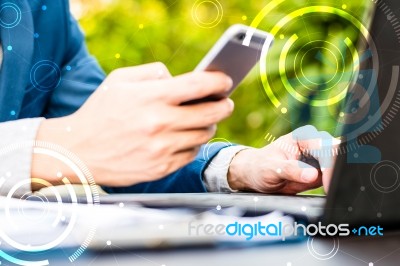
{"x":16,"y":158}
{"x":216,"y":173}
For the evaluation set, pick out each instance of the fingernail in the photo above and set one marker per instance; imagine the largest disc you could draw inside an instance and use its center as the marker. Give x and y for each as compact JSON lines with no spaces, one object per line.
{"x":309,"y":174}
{"x":231,"y":104}
{"x":229,"y":83}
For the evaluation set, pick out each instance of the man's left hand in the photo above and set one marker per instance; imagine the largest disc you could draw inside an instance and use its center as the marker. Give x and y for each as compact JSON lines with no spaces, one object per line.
{"x":296,"y":162}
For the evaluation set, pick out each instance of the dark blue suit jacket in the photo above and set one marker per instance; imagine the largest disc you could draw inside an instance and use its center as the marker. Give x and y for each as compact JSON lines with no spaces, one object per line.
{"x":47,"y":72}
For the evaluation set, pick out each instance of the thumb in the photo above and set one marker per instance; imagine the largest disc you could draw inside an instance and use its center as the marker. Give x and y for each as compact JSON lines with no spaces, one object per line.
{"x":298,"y":171}
{"x":309,"y":174}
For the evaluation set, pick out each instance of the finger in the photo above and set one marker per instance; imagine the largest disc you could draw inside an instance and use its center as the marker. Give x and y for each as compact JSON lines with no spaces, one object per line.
{"x":152,"y":71}
{"x":297,"y":171}
{"x":298,"y":141}
{"x":323,"y":148}
{"x":175,"y":161}
{"x":294,"y":188}
{"x":193,"y":139}
{"x":195,"y":85}
{"x":310,"y":146}
{"x":201,"y":115}
{"x":184,"y":157}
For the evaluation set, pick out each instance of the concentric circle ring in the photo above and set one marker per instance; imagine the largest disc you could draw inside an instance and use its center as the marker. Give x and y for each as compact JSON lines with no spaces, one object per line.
{"x":208,"y":147}
{"x":320,"y":256}
{"x":13,"y":8}
{"x":53,"y":74}
{"x":374,"y":181}
{"x":207,"y":24}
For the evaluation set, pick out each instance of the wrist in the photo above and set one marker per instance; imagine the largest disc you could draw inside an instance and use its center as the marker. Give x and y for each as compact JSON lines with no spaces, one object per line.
{"x":54,"y":131}
{"x":237,"y":170}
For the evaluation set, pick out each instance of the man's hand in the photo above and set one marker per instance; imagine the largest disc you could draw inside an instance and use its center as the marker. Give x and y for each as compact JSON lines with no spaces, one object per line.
{"x":134,"y":129}
{"x":296,"y":162}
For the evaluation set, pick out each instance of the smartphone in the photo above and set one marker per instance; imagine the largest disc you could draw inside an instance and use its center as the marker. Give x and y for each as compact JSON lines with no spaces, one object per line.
{"x":236,"y":52}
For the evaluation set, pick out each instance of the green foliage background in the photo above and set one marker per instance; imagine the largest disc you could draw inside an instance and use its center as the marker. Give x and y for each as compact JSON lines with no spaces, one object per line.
{"x":143,"y":31}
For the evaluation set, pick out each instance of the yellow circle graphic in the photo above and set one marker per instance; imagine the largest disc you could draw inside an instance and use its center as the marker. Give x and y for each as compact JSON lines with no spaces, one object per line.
{"x":201,"y":10}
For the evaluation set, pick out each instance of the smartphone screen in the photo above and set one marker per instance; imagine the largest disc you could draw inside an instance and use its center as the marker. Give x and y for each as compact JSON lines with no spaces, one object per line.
{"x":235,"y":54}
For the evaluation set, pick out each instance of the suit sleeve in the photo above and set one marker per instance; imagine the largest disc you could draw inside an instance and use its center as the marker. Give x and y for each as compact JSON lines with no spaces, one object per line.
{"x":16,"y":144}
{"x":81,"y":75}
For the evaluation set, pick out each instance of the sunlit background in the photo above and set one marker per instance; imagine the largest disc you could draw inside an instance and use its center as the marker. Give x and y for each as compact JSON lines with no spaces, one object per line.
{"x":180,"y":32}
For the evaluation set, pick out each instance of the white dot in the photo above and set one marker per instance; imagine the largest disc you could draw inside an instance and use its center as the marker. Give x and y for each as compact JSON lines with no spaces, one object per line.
{"x":355,"y":155}
{"x":379,"y":215}
{"x":160,"y":73}
{"x":323,"y":169}
{"x":163,"y":265}
{"x":105,"y":87}
{"x":362,"y":188}
{"x":350,"y":209}
{"x":279,"y":170}
{"x":289,"y":264}
{"x":218,"y":207}
{"x":303,"y":208}
{"x":121,"y":205}
{"x":371,"y":264}
{"x":69,"y":129}
{"x":361,"y":76}
{"x":59,"y":174}
{"x":8,"y":174}
{"x":108,"y":243}
{"x":161,"y":227}
{"x":255,"y":199}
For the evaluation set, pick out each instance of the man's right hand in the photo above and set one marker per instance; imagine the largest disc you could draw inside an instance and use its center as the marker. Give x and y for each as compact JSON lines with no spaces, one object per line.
{"x":134,"y":129}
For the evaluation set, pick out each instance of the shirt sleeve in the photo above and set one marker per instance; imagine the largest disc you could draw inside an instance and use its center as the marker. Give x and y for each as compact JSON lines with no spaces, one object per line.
{"x":15,"y":157}
{"x":216,"y":173}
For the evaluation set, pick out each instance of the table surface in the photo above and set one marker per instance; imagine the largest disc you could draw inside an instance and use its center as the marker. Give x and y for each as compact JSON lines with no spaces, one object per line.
{"x":353,"y":251}
{"x":378,"y":250}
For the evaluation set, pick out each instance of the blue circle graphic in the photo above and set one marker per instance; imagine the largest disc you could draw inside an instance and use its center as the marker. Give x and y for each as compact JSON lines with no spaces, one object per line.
{"x":10,"y":15}
{"x":45,"y":75}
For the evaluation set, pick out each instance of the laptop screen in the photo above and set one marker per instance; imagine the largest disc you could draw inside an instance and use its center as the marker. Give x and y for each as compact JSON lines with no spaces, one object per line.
{"x":366,"y":183}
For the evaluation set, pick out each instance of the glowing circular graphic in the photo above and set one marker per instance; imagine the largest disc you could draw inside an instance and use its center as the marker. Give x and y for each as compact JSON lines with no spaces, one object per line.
{"x":45,"y":75}
{"x":285,"y":51}
{"x":347,"y":69}
{"x":320,"y":256}
{"x":333,"y":79}
{"x":209,"y":146}
{"x":60,"y":215}
{"x":376,"y":180}
{"x":10,"y":15}
{"x":311,"y":51}
{"x":207,"y":5}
